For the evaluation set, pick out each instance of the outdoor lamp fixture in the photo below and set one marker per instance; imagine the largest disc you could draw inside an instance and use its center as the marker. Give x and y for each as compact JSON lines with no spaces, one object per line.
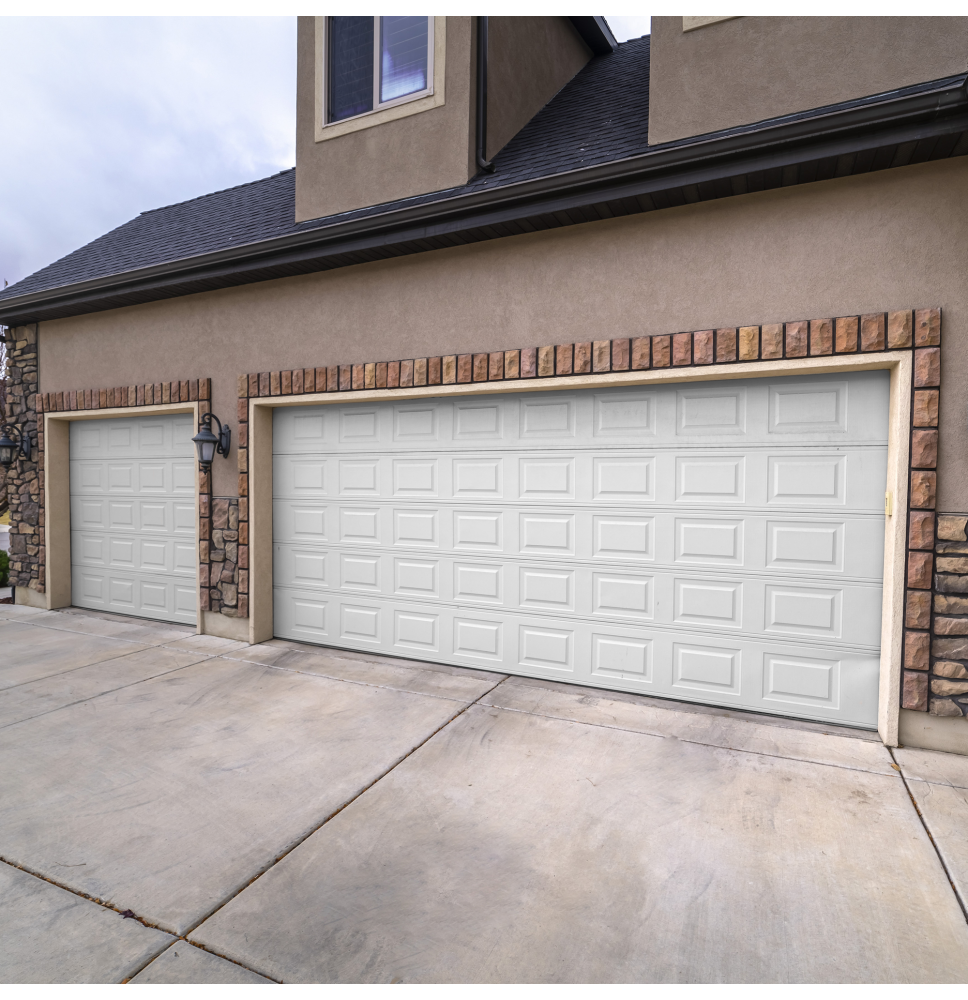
{"x":207,"y":444}
{"x":10,"y":450}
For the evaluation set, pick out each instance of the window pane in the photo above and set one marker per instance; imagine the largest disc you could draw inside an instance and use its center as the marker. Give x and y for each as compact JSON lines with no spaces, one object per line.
{"x":350,"y":67}
{"x":403,"y":52}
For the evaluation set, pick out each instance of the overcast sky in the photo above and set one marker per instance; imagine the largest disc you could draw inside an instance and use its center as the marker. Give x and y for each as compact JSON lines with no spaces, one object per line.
{"x":104,"y":118}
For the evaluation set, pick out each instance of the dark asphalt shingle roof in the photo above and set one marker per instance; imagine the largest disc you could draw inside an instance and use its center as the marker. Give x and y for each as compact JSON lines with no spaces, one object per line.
{"x":601,"y":115}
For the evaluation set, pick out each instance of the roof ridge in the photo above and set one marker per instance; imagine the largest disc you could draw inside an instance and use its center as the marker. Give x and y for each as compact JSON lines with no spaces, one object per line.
{"x":208,"y":194}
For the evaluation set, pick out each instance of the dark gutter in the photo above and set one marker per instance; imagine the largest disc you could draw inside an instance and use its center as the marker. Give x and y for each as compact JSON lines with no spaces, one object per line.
{"x":596,"y":34}
{"x":778,"y":145}
{"x":482,"y":162}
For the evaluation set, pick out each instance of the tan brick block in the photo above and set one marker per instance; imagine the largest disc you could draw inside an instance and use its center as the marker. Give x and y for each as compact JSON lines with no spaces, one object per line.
{"x":243,"y":411}
{"x":952,"y":564}
{"x":243,"y":435}
{"x":449,"y":369}
{"x":433,"y":371}
{"x":286,"y":379}
{"x":583,"y":358}
{"x":872,"y":332}
{"x":620,"y":355}
{"x":921,"y":534}
{"x":796,"y":339}
{"x":253,"y":385}
{"x":66,"y":405}
{"x":920,"y":565}
{"x":419,"y":371}
{"x":297,"y":382}
{"x":927,"y":367}
{"x":918,"y":609}
{"x":103,"y":396}
{"x":529,"y":362}
{"x":309,"y":379}
{"x":662,"y":351}
{"x":495,"y":366}
{"x":682,"y":349}
{"x":357,"y":377}
{"x":771,"y":341}
{"x":140,"y":398}
{"x":703,"y":342}
{"x":950,"y":604}
{"x":927,"y":328}
{"x":821,"y":337}
{"x":949,"y":626}
{"x":243,"y":386}
{"x":640,"y":353}
{"x":512,"y":364}
{"x":345,"y":378}
{"x":406,"y":374}
{"x":479,"y":366}
{"x":749,"y":343}
{"x":948,"y":668}
{"x":925,"y":409}
{"x":564,"y":359}
{"x":369,"y":375}
{"x":465,"y":367}
{"x":332,"y":378}
{"x":846,"y":334}
{"x":393,"y":374}
{"x":917,"y":646}
{"x":924,"y":487}
{"x":924,"y":449}
{"x":914,"y":692}
{"x":953,"y":527}
{"x":726,"y":345}
{"x":899,"y":330}
{"x":546,"y":362}
{"x":602,"y":355}
{"x":319,"y":379}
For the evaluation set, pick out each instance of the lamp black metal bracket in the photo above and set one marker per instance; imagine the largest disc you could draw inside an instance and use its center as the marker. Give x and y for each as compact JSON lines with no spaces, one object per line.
{"x":10,"y":449}
{"x":207,"y":444}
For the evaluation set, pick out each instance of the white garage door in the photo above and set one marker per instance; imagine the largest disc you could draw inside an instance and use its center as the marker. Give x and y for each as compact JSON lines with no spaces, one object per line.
{"x":719,"y":542}
{"x":133,"y":516}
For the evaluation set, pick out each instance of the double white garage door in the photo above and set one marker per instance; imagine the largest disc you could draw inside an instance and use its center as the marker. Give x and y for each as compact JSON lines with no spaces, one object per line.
{"x":133,"y":516}
{"x":720,"y":542}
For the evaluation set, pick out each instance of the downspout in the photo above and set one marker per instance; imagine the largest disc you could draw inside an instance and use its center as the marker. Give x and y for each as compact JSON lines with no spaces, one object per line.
{"x":483,"y":164}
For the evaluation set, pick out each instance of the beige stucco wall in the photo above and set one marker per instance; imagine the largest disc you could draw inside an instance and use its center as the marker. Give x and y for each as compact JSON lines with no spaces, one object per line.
{"x":749,"y":69}
{"x":429,"y":151}
{"x":529,"y":59}
{"x":888,"y":240}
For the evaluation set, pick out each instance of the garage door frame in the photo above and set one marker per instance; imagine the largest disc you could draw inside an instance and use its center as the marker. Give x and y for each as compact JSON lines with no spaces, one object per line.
{"x":57,"y":480}
{"x":899,"y":364}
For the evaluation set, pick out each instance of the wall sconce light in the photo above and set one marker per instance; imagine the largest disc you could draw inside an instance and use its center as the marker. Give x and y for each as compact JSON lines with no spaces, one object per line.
{"x":207,"y":444}
{"x":10,"y":450}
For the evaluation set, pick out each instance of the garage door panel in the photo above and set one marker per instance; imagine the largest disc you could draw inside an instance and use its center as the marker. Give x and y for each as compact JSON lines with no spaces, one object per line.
{"x":133,"y":520}
{"x":719,"y":542}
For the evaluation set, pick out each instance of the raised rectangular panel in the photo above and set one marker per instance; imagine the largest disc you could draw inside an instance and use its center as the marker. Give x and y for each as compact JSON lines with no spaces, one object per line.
{"x":93,"y":513}
{"x":151,"y":435}
{"x":119,"y":437}
{"x":152,"y":516}
{"x":547,"y":533}
{"x":308,"y":568}
{"x":308,"y":428}
{"x":359,"y":572}
{"x":622,"y":594}
{"x":183,"y":515}
{"x":415,"y":477}
{"x":309,"y":614}
{"x":154,"y":556}
{"x":357,"y":478}
{"x":309,"y":475}
{"x":415,"y":423}
{"x":547,"y":478}
{"x":549,"y":417}
{"x":617,"y":537}
{"x":617,"y":656}
{"x":709,"y":602}
{"x":121,"y":591}
{"x":85,"y":437}
{"x":417,"y":631}
{"x":93,"y":587}
{"x":817,"y":546}
{"x":805,"y":407}
{"x":185,"y":559}
{"x":361,"y":624}
{"x":477,"y":477}
{"x":122,"y":552}
{"x":183,"y":429}
{"x":357,"y":426}
{"x":308,"y":522}
{"x":620,"y":414}
{"x":478,"y":582}
{"x":91,"y":548}
{"x":706,"y":668}
{"x":711,"y":411}
{"x":415,"y":577}
{"x":151,"y":477}
{"x":87,"y":477}
{"x":801,"y":680}
{"x":185,"y":601}
{"x":121,"y":478}
{"x":710,"y":479}
{"x":544,"y":647}
{"x":477,"y":638}
{"x":479,"y":421}
{"x":477,"y":530}
{"x":623,"y":478}
{"x":121,"y":515}
{"x":183,"y":477}
{"x":546,"y":588}
{"x":803,"y":610}
{"x":415,"y":527}
{"x":358,"y":524}
{"x":154,"y":596}
{"x":807,"y":479}
{"x":709,"y":541}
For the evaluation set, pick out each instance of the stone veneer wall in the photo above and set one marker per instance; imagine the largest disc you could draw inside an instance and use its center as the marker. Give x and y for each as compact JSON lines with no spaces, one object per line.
{"x":949,"y":645}
{"x":218,"y":556}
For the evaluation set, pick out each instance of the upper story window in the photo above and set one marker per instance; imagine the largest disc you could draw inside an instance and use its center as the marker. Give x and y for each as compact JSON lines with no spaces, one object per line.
{"x":374,"y":63}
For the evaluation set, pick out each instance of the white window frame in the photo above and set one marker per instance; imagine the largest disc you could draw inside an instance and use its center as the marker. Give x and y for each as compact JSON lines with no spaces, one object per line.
{"x":422,"y":100}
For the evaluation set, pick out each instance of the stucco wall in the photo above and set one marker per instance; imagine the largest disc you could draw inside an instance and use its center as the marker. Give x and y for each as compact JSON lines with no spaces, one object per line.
{"x":751,"y":68}
{"x":893,"y":239}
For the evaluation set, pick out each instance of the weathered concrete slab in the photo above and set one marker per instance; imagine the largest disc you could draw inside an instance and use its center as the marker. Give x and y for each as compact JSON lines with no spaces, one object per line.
{"x":34,"y":698}
{"x":560,"y":701}
{"x":174,"y":792}
{"x":132,"y":629}
{"x":212,"y":644}
{"x":932,"y":765}
{"x":402,"y":675}
{"x":41,"y":652}
{"x":49,"y":935}
{"x":183,"y":963}
{"x":516,"y":848}
{"x":19,"y":611}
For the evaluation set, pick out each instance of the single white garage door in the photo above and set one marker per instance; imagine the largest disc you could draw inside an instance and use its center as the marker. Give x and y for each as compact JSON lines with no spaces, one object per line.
{"x":133,"y":516}
{"x":719,"y":542}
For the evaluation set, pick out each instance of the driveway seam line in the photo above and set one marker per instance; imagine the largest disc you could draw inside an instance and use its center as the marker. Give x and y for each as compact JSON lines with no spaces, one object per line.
{"x":52,"y":628}
{"x":682,"y":739}
{"x":272,"y":864}
{"x":934,"y":843}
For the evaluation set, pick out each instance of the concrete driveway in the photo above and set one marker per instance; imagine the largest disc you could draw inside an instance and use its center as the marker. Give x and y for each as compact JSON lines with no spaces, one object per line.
{"x":182,"y":808}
